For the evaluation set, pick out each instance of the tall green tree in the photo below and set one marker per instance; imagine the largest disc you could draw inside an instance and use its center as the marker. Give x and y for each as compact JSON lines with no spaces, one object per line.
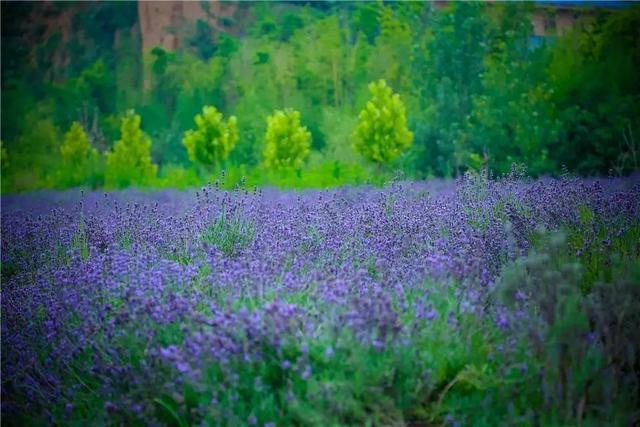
{"x":596,"y":89}
{"x":381,"y":134}
{"x":512,"y":119}
{"x":393,"y":54}
{"x":447,"y":75}
{"x":321,"y":70}
{"x":129,"y":162}
{"x":80,"y":161}
{"x":287,"y":141}
{"x":213,"y":138}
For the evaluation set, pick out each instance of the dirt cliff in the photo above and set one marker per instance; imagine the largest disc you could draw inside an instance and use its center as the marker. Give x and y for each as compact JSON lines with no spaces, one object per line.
{"x":166,"y":24}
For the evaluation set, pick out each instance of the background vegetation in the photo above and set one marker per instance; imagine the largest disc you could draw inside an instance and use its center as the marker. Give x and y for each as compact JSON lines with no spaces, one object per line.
{"x":478,"y":88}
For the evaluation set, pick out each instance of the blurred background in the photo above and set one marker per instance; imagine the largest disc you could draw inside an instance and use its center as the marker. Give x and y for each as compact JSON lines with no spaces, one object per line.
{"x":92,"y":91}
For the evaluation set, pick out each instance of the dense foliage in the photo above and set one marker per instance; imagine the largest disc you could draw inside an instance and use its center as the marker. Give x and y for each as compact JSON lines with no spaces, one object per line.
{"x":381,"y":134}
{"x":129,"y":162}
{"x":79,"y":160}
{"x":287,"y":142}
{"x":213,"y":139}
{"x":484,"y":302}
{"x":480,"y":89}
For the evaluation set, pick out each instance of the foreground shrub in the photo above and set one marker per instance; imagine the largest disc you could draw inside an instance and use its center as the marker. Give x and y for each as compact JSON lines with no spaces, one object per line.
{"x":585,"y":342}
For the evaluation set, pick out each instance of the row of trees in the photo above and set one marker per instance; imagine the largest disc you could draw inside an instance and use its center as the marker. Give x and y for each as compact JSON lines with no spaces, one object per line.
{"x":478,"y":88}
{"x":381,"y":135}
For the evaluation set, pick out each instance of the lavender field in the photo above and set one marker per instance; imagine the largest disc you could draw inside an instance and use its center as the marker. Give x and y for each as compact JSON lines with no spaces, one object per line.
{"x":506,"y":301}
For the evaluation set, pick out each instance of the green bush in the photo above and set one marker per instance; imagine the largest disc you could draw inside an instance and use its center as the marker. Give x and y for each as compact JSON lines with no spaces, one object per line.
{"x":213,"y":139}
{"x":80,"y":161}
{"x":576,"y":313}
{"x":288,"y":143}
{"x":129,"y":163}
{"x":382,"y":134}
{"x":31,"y":163}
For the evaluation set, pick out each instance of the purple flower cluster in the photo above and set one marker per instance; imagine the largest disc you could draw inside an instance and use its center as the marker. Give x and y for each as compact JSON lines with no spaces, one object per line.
{"x":127,"y":283}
